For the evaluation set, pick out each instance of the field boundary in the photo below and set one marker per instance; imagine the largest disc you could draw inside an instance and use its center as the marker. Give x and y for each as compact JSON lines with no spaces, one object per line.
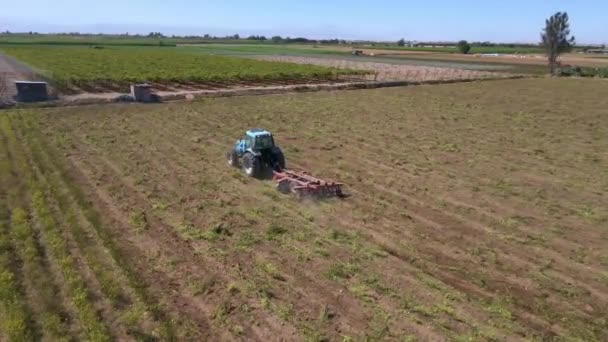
{"x":188,"y":95}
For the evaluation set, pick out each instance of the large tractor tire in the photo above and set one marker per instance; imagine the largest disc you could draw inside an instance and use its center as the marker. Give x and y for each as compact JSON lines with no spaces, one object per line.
{"x":251,"y":165}
{"x":278,"y":159}
{"x":232,"y":158}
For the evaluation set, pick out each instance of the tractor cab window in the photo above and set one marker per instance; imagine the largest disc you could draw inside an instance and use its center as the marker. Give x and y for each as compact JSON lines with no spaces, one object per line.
{"x":263,"y":142}
{"x":249,"y":141}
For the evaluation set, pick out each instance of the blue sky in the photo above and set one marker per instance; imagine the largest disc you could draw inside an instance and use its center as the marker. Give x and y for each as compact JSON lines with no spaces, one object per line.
{"x":505,"y":21}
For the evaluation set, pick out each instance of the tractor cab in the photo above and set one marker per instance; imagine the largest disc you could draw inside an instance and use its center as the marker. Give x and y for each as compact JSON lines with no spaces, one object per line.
{"x":256,"y":152}
{"x":258,"y":140}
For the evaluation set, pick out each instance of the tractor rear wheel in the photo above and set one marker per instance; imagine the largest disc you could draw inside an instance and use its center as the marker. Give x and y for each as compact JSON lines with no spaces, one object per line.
{"x":251,"y":165}
{"x":278,"y":159}
{"x":232,"y":158}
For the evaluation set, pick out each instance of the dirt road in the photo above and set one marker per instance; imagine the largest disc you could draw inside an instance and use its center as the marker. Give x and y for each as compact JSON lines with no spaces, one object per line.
{"x":11,"y":71}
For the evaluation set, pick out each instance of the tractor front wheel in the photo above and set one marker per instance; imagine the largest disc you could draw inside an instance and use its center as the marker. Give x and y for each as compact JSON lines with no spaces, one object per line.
{"x":251,"y":165}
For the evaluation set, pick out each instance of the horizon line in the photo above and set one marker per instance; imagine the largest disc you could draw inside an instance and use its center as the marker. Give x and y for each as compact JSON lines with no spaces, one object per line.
{"x":245,"y":36}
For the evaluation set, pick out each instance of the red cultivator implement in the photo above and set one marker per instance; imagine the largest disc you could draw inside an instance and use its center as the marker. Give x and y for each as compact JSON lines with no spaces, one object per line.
{"x":303,"y":185}
{"x":257,"y":153}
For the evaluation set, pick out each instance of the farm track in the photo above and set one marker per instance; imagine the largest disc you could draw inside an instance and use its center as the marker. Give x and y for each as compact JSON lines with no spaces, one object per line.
{"x":451,"y":232}
{"x":11,"y":71}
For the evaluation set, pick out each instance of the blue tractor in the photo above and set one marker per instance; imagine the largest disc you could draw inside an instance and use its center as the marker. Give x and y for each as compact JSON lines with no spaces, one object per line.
{"x":256,"y":153}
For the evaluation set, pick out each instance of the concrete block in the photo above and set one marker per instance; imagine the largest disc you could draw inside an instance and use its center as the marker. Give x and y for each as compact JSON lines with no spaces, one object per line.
{"x":31,"y":91}
{"x":142,"y":92}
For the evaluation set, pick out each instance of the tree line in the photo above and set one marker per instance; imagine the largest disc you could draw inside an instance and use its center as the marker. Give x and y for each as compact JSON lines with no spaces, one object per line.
{"x":555,"y":39}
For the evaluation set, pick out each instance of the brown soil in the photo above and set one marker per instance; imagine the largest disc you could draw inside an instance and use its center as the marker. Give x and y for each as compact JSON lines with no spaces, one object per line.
{"x":476,"y":211}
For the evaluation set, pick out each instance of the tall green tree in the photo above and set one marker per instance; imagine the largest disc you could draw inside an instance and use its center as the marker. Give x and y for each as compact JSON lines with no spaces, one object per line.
{"x":556,"y":38}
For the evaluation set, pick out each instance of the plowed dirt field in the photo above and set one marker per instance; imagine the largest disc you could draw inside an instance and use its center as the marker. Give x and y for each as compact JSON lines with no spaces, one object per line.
{"x":479,"y":211}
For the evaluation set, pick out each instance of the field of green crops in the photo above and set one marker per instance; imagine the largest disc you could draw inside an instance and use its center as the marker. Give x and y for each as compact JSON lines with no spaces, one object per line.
{"x":91,"y":69}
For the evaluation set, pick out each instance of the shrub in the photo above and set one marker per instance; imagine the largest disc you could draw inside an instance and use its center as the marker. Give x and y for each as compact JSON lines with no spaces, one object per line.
{"x":576,"y":71}
{"x":464,"y":47}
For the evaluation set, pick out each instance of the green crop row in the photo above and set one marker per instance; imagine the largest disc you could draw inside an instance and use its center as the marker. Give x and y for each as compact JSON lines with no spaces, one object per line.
{"x":79,"y":66}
